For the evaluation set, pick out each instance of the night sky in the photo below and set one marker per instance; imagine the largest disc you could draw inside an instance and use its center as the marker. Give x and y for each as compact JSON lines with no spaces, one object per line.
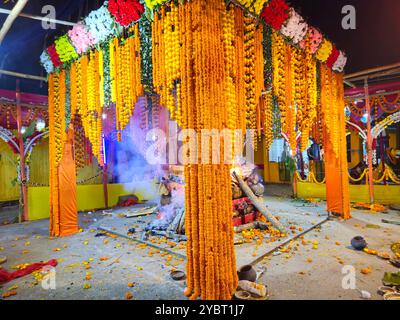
{"x":375,"y":42}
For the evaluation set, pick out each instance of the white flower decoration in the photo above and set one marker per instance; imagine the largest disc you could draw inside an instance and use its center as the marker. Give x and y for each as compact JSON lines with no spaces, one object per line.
{"x":295,"y":28}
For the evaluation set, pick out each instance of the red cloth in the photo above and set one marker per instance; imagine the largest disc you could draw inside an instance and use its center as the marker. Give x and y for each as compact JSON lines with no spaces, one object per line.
{"x":6,"y":276}
{"x":129,"y":203}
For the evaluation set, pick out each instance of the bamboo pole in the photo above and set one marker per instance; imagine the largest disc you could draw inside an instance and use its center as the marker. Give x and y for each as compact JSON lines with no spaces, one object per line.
{"x":12,"y":15}
{"x":369,"y":144}
{"x":39,"y":18}
{"x":259,"y":206}
{"x":24,"y":191}
{"x":142,"y":242}
{"x":372,"y":70}
{"x":21,"y":75}
{"x":105,"y":186}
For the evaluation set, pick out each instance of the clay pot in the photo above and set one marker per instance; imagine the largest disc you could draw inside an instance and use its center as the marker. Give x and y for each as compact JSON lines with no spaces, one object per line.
{"x":247,"y":273}
{"x":358,"y":243}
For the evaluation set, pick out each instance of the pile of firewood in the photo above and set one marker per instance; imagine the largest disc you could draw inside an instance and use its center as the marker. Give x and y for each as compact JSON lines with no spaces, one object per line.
{"x":255,"y":183}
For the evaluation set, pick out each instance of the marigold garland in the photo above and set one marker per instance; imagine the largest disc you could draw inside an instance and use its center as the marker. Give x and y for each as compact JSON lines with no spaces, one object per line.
{"x":259,"y":76}
{"x":254,"y":6}
{"x":229,"y":53}
{"x":73,"y":75}
{"x":126,"y":74}
{"x":152,"y":3}
{"x":268,"y":121}
{"x":299,"y":87}
{"x":198,"y":99}
{"x":79,"y":144}
{"x":250,"y":72}
{"x":310,"y":107}
{"x":330,"y":104}
{"x":324,"y":50}
{"x":279,"y":63}
{"x":57,"y":98}
{"x":208,"y":68}
{"x":111,"y":18}
{"x":240,"y":69}
{"x":92,"y":120}
{"x":290,"y":97}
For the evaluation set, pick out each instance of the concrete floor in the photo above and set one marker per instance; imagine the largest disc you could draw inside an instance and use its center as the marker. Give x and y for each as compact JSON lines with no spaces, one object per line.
{"x":300,"y":273}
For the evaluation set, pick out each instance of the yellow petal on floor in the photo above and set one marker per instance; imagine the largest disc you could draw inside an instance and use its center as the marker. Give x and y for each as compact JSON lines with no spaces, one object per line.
{"x":86,"y":286}
{"x":128,"y":296}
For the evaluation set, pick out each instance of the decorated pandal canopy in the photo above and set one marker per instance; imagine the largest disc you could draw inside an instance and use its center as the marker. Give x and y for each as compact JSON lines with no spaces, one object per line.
{"x":32,"y":118}
{"x":34,"y":108}
{"x":214,"y":65}
{"x":385,"y":113}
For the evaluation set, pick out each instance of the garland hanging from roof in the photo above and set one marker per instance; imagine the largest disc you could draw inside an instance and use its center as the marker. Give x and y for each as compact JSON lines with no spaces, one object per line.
{"x":208,"y":67}
{"x":109,"y":20}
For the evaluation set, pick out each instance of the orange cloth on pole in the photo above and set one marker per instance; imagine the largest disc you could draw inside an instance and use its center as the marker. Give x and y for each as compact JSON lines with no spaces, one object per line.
{"x":63,"y":207}
{"x":67,"y":189}
{"x":336,"y":168}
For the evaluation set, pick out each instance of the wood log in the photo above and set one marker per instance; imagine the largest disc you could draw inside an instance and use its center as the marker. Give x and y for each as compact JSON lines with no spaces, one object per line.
{"x":396,"y":223}
{"x":175,"y":223}
{"x":170,"y":235}
{"x":109,"y":231}
{"x":260,"y":206}
{"x":245,"y":227}
{"x":181,"y":226}
{"x":253,"y":288}
{"x":249,"y":226}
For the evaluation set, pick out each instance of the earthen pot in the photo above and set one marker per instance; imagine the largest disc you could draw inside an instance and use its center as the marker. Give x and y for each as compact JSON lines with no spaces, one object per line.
{"x":247,"y":273}
{"x":358,"y":243}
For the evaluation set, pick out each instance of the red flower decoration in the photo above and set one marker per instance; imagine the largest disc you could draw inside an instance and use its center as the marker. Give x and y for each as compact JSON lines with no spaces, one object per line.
{"x":333,"y":57}
{"x":276,"y":13}
{"x":125,"y":11}
{"x":54,"y":55}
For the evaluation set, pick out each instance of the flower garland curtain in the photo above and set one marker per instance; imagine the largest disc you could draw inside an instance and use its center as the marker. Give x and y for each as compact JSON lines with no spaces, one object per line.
{"x":198,"y":102}
{"x":208,"y":67}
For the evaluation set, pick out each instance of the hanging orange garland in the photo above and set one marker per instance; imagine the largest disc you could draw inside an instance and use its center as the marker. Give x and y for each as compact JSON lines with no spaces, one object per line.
{"x":330,"y":103}
{"x":199,"y":90}
{"x":125,"y":70}
{"x":279,"y":62}
{"x":240,"y":69}
{"x":310,"y":107}
{"x":267,"y":116}
{"x":250,"y":72}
